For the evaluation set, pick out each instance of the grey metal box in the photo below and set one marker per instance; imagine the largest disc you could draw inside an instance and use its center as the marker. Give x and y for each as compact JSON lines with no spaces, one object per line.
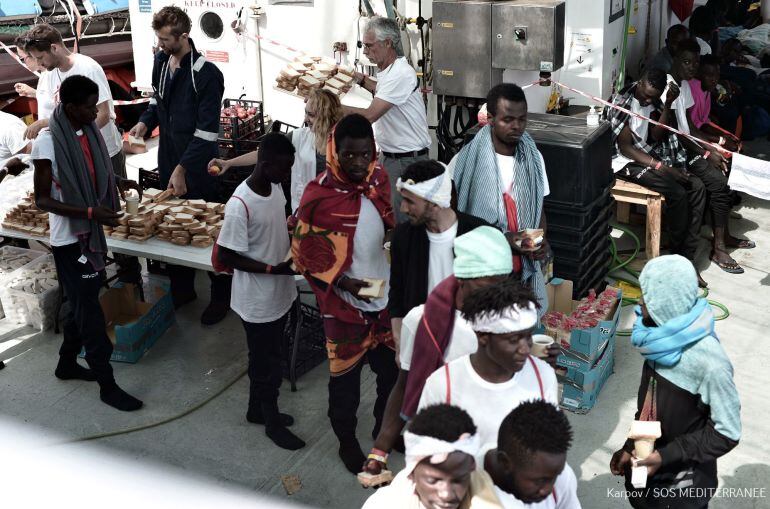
{"x":542,"y":23}
{"x":462,"y":49}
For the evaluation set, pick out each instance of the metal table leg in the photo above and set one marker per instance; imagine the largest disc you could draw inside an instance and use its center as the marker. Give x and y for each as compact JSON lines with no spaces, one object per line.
{"x":295,"y":346}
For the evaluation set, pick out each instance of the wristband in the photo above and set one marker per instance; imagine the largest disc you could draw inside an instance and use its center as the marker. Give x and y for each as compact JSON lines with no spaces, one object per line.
{"x":90,"y":212}
{"x":706,"y":154}
{"x":268,"y":269}
{"x":377,"y":457}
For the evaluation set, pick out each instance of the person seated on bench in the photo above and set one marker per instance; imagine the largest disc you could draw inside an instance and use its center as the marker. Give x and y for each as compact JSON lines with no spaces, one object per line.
{"x":634,"y":161}
{"x":705,"y":162}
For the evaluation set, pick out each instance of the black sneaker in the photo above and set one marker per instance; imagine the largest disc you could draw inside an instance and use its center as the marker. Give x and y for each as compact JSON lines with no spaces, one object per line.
{"x":214,"y":313}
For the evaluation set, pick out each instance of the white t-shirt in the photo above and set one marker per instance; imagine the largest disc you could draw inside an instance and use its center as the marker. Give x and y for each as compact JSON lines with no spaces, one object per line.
{"x":638,"y":126}
{"x":463,"y":341}
{"x":488,"y":403}
{"x":260,"y":236}
{"x":506,"y":165}
{"x":304,"y":169}
{"x":62,"y":233}
{"x":404,"y":127}
{"x":48,"y":95}
{"x":45,"y":104}
{"x":440,"y":255}
{"x":681,"y":104}
{"x":705,"y":48}
{"x":369,"y":259}
{"x":11,"y":136}
{"x":565,"y":488}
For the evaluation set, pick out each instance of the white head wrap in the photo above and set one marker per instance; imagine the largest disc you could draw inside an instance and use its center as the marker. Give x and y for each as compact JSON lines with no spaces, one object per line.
{"x":512,"y":319}
{"x":419,"y":447}
{"x":437,"y":190}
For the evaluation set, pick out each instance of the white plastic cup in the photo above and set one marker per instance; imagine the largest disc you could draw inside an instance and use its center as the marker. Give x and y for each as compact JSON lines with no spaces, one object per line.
{"x":132,"y":204}
{"x":540,"y":344}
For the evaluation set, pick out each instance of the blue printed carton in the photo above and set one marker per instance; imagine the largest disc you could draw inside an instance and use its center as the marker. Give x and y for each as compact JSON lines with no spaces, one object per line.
{"x":581,"y":387}
{"x":581,"y":348}
{"x":134,"y":326}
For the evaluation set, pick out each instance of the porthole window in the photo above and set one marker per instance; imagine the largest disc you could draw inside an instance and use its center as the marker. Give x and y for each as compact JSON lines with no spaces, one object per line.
{"x":212,"y":25}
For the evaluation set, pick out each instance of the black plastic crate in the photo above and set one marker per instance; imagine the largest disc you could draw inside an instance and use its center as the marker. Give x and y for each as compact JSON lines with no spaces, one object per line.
{"x":571,"y":238}
{"x":149,"y":179}
{"x":576,"y":254}
{"x":598,"y":283}
{"x":237,"y":135}
{"x":568,"y":267}
{"x":578,"y":158}
{"x":311,"y":350}
{"x":577,"y":218}
{"x":594,"y":275}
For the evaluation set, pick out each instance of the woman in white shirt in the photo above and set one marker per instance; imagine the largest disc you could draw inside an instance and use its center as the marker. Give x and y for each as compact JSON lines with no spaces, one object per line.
{"x":322,"y":111}
{"x":23,"y":89}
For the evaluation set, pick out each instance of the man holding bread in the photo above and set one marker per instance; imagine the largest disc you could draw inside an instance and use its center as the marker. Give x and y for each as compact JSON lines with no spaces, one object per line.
{"x":343,"y":222}
{"x":500,"y":177}
{"x":186,"y":105}
{"x":687,"y":392}
{"x":397,"y":110}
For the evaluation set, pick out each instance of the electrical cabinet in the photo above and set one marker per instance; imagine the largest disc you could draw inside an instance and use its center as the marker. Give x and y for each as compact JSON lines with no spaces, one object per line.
{"x":462,"y":49}
{"x":475,"y":41}
{"x":528,"y":35}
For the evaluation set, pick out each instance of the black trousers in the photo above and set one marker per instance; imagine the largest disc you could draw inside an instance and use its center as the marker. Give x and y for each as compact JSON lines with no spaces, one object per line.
{"x":718,"y":192}
{"x":182,"y":281}
{"x":265,"y":371}
{"x":684,"y":205}
{"x":345,"y":392}
{"x":84,"y":325}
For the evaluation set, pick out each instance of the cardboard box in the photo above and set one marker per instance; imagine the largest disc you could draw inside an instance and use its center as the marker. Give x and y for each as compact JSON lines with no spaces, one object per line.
{"x":580,"y":347}
{"x":581,"y":387}
{"x":30,"y":294}
{"x":134,"y":326}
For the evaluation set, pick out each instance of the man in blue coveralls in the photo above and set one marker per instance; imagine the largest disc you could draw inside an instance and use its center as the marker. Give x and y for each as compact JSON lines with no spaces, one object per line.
{"x":186,"y":104}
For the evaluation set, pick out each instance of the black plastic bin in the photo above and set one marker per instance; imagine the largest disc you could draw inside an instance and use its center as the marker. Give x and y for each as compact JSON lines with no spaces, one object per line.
{"x":577,"y":217}
{"x":578,"y":267}
{"x":577,"y":239}
{"x":578,"y":158}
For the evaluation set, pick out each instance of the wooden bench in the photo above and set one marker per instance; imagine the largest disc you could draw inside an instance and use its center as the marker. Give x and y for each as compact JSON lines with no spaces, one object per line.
{"x":626,"y":193}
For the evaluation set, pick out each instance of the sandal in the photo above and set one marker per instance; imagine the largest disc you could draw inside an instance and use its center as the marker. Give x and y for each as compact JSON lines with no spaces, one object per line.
{"x":729,"y":267}
{"x":744,"y":244}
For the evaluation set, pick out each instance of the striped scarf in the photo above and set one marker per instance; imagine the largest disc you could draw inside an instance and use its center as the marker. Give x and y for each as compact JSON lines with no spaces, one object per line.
{"x":480,"y":193}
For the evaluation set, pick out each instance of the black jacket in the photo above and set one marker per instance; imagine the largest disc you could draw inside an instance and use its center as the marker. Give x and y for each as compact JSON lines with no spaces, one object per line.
{"x":410,"y":249}
{"x":689,"y":447}
{"x":187,"y":107}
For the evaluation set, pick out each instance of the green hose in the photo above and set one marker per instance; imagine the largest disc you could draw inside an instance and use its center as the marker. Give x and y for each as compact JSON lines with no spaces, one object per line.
{"x":620,"y":266}
{"x":188,"y":411}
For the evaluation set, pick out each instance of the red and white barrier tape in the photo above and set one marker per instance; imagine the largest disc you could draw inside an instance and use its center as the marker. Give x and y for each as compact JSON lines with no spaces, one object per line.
{"x":692,"y":138}
{"x":135,"y":101}
{"x":16,"y":57}
{"x":257,"y":38}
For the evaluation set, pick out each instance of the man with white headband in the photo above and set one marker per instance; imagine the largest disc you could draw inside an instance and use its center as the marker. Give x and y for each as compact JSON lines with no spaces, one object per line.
{"x":421,"y":248}
{"x":440,"y":472}
{"x":501,"y":374}
{"x":436,"y":333}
